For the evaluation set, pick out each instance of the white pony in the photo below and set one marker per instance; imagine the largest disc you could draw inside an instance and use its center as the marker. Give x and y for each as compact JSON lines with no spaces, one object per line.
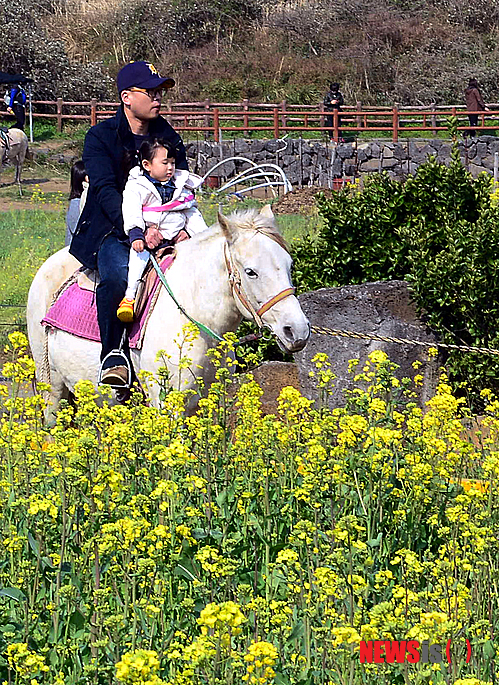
{"x":240,"y":267}
{"x":14,"y":151}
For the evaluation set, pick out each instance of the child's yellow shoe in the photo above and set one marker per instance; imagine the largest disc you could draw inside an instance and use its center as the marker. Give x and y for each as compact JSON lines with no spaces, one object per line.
{"x":125,"y":310}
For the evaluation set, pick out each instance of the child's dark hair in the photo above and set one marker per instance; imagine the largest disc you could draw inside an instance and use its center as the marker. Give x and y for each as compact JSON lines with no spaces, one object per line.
{"x":78,"y":174}
{"x":149,"y":147}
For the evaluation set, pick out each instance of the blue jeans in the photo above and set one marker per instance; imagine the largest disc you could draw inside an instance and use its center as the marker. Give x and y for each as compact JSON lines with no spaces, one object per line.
{"x":112,"y":264}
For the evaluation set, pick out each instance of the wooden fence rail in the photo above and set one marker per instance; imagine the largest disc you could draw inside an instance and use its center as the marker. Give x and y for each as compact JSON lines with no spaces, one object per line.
{"x":215,"y":118}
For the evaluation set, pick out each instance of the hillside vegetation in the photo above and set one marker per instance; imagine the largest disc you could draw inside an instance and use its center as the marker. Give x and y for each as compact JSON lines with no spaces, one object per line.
{"x":408,"y":51}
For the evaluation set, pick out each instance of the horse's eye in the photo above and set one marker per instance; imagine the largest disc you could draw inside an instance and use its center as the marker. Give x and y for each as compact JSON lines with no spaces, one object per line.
{"x":251,"y":273}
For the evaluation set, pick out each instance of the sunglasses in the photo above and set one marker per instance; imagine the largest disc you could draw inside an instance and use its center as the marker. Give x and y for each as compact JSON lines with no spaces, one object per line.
{"x":155,"y":94}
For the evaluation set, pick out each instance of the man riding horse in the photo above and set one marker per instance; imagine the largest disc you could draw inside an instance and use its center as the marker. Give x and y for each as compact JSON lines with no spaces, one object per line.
{"x":100,"y":242}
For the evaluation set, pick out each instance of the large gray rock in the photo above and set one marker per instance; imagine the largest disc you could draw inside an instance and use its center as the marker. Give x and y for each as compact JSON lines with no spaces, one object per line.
{"x":481,"y":149}
{"x":400,"y":152}
{"x":419,"y":155}
{"x":390,"y":163}
{"x":344,"y":151}
{"x":488,"y":162}
{"x":381,"y":308}
{"x":475,"y":169}
{"x":370,"y":165}
{"x":257,"y":146}
{"x":241,"y":146}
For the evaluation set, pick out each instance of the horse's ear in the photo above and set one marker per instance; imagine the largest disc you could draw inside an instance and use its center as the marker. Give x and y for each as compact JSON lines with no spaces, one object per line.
{"x":267,"y":212}
{"x":226,"y":227}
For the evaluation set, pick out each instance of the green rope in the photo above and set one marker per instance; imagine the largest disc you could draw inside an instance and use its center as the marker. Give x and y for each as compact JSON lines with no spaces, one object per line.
{"x":201,"y":326}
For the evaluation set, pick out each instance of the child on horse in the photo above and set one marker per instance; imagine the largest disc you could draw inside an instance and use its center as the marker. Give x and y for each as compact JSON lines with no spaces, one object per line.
{"x":157,"y":194}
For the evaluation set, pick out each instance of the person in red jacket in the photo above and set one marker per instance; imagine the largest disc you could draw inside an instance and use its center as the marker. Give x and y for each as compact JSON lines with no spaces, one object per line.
{"x":474,"y":103}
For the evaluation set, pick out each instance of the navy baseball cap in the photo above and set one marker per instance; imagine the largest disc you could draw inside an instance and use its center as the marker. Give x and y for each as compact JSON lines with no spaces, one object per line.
{"x":141,"y":75}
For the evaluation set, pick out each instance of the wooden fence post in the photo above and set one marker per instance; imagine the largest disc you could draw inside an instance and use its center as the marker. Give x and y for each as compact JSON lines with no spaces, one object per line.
{"x":321,"y":118}
{"x":434,"y":118}
{"x":336,"y":132}
{"x":276,"y":122}
{"x":358,"y":104}
{"x":395,"y":116}
{"x":216,"y":124}
{"x":283,"y":117}
{"x":59,"y":114}
{"x":93,"y":112}
{"x":169,"y":109}
{"x":245,"y":116}
{"x":206,"y":117}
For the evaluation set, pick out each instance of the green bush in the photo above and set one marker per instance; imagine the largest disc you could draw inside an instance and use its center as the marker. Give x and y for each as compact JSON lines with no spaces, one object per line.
{"x":439,"y":231}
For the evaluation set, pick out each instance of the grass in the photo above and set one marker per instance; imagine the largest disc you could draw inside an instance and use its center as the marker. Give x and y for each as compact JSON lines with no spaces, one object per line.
{"x":46,"y":129}
{"x":27,"y":238}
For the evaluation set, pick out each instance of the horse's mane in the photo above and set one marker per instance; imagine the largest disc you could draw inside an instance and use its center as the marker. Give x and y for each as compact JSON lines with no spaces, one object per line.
{"x":253,"y":219}
{"x":245,"y":219}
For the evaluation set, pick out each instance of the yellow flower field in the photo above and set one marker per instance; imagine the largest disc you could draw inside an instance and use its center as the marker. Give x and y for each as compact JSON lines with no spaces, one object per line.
{"x":147,"y":547}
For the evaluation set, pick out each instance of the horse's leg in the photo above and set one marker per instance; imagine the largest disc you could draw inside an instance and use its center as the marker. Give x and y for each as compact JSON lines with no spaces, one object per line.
{"x":58,"y":392}
{"x":19,"y":167}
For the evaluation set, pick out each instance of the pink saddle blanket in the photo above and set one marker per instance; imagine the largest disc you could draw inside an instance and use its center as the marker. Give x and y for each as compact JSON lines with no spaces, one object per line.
{"x":75,"y":312}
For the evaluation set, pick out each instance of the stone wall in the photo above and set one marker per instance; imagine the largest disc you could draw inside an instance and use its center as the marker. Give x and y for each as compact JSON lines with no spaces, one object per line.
{"x":308,"y":162}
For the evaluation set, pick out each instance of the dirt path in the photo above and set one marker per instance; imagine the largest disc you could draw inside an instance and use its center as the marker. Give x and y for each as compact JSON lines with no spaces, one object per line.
{"x":9,"y":193}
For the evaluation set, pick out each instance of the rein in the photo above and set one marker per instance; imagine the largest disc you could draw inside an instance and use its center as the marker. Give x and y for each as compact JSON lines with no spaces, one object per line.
{"x":163,"y":281}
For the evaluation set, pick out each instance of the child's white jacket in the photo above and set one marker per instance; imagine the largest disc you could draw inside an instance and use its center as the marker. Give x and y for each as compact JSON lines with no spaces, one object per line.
{"x":142,"y":205}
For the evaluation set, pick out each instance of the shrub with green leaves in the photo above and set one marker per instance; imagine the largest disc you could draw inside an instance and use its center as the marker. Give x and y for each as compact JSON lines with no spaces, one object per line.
{"x":437,"y":230}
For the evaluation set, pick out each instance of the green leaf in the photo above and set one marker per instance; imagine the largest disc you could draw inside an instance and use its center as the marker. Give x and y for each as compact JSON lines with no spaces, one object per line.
{"x":295,"y":633}
{"x":281,"y":679}
{"x":489,"y":650}
{"x":34,"y":544}
{"x":13,"y":593}
{"x":77,"y":619}
{"x":375,"y":542}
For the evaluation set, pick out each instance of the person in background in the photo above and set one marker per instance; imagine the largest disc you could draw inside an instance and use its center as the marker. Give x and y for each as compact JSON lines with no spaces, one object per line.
{"x":333,"y":100}
{"x":474,"y":103}
{"x":17,"y":106}
{"x":78,"y":184}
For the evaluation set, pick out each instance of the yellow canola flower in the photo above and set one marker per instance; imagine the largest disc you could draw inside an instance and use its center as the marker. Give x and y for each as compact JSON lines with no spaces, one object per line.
{"x":138,"y":668}
{"x":24,"y":661}
{"x":218,"y":618}
{"x":260,"y":658}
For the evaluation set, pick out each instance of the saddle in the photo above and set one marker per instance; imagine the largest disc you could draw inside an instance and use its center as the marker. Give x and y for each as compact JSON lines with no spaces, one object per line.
{"x":4,"y":135}
{"x":89,"y":279}
{"x":74,"y":310}
{"x":4,"y":143}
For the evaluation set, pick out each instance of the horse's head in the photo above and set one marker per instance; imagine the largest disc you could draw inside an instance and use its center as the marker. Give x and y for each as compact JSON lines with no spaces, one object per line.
{"x":259,"y":267}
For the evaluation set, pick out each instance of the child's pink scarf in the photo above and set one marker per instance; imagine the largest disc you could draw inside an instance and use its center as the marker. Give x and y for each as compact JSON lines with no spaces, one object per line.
{"x":169,"y":205}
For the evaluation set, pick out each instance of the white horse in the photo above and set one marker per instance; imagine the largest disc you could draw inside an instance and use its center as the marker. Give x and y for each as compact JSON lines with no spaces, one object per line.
{"x":14,"y":150}
{"x":238,"y":268}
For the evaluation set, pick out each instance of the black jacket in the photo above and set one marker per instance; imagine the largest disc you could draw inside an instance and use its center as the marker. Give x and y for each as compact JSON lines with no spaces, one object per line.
{"x":331,"y":96}
{"x":103,"y":156}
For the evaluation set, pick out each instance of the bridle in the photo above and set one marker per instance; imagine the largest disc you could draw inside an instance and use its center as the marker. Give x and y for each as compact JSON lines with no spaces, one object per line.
{"x":239,"y":294}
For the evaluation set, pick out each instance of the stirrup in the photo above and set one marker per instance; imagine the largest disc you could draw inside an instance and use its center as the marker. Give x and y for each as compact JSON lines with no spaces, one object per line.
{"x":121,"y":361}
